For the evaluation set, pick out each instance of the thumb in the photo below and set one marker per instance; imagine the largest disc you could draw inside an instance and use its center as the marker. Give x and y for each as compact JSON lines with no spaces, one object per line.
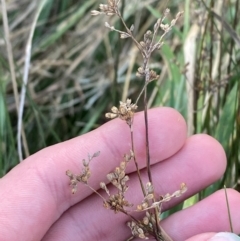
{"x":222,"y":236}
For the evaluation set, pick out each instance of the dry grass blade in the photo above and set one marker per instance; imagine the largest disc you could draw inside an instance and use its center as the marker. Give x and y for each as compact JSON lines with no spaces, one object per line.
{"x":25,"y":77}
{"x":12,"y":68}
{"x":228,"y":28}
{"x":10,"y":53}
{"x":228,"y":208}
{"x":190,"y":47}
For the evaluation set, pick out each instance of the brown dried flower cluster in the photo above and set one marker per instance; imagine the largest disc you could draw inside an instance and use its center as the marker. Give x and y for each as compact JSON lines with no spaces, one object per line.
{"x":145,"y":205}
{"x":84,"y":176}
{"x":149,"y":45}
{"x":137,"y":230}
{"x":142,"y":229}
{"x":109,"y":9}
{"x":125,"y":111}
{"x":119,"y":179}
{"x":150,"y":74}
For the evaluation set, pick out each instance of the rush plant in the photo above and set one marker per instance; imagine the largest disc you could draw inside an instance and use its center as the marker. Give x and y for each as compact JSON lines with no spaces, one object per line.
{"x":150,"y":224}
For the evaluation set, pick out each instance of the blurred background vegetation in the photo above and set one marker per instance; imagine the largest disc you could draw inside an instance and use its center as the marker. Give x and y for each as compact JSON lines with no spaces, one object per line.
{"x":65,"y":70}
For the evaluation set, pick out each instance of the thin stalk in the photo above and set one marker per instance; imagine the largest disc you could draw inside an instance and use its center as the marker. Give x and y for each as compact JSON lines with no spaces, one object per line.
{"x":147,"y":136}
{"x":135,"y":161}
{"x":133,"y":218}
{"x":148,"y":163}
{"x":144,"y":87}
{"x":12,"y":69}
{"x":96,"y":192}
{"x":146,"y":70}
{"x":228,"y":207}
{"x":130,"y":33}
{"x":25,"y":79}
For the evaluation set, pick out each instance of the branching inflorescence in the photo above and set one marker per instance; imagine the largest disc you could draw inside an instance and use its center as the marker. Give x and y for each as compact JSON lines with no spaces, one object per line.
{"x":149,"y":225}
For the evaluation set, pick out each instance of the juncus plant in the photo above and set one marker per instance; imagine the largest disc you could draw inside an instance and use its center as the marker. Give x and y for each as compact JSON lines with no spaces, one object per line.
{"x":149,"y":226}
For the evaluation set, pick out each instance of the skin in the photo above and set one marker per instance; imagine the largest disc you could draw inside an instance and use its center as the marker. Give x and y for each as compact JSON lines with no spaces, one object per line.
{"x":36,"y":201}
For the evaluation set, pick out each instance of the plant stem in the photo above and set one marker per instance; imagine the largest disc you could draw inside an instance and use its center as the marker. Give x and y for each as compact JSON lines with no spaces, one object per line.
{"x":135,"y":161}
{"x":148,"y":163}
{"x":147,"y":136}
{"x":130,"y":33}
{"x":146,"y":70}
{"x":95,"y":192}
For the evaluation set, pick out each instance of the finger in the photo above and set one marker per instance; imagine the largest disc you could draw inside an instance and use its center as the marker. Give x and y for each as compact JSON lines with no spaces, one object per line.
{"x":37,"y":188}
{"x":222,"y":236}
{"x":167,"y":176}
{"x":208,"y":215}
{"x":202,"y":237}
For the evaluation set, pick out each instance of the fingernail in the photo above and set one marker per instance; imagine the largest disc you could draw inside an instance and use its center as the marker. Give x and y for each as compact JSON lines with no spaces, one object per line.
{"x":225,"y":237}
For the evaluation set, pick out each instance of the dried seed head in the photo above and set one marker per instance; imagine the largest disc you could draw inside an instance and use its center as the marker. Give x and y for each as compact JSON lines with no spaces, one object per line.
{"x":103,"y":185}
{"x":177,"y":193}
{"x":124,"y":35}
{"x":111,"y":176}
{"x":84,"y":176}
{"x":109,"y":9}
{"x":167,"y":197}
{"x":149,"y":196}
{"x":179,"y":14}
{"x":122,"y":165}
{"x":111,"y":3}
{"x":145,"y":220}
{"x":117,"y":202}
{"x":117,"y":170}
{"x":144,"y":205}
{"x":96,"y":154}
{"x":124,"y":180}
{"x":149,"y":188}
{"x":141,"y":71}
{"x":136,"y":230}
{"x":110,"y":115}
{"x":103,"y":7}
{"x":74,"y":189}
{"x":165,"y":27}
{"x":95,"y":13}
{"x":69,"y":173}
{"x":125,"y":111}
{"x":106,"y":205}
{"x":132,"y":28}
{"x":114,"y":110}
{"x":183,"y":187}
{"x":143,"y":44}
{"x":107,"y":25}
{"x":153,"y":75}
{"x":173,"y":22}
{"x":149,"y":32}
{"x":139,"y":207}
{"x":166,"y":12}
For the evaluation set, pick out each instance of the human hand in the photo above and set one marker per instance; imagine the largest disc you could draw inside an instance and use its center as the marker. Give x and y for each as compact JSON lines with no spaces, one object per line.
{"x":36,"y":202}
